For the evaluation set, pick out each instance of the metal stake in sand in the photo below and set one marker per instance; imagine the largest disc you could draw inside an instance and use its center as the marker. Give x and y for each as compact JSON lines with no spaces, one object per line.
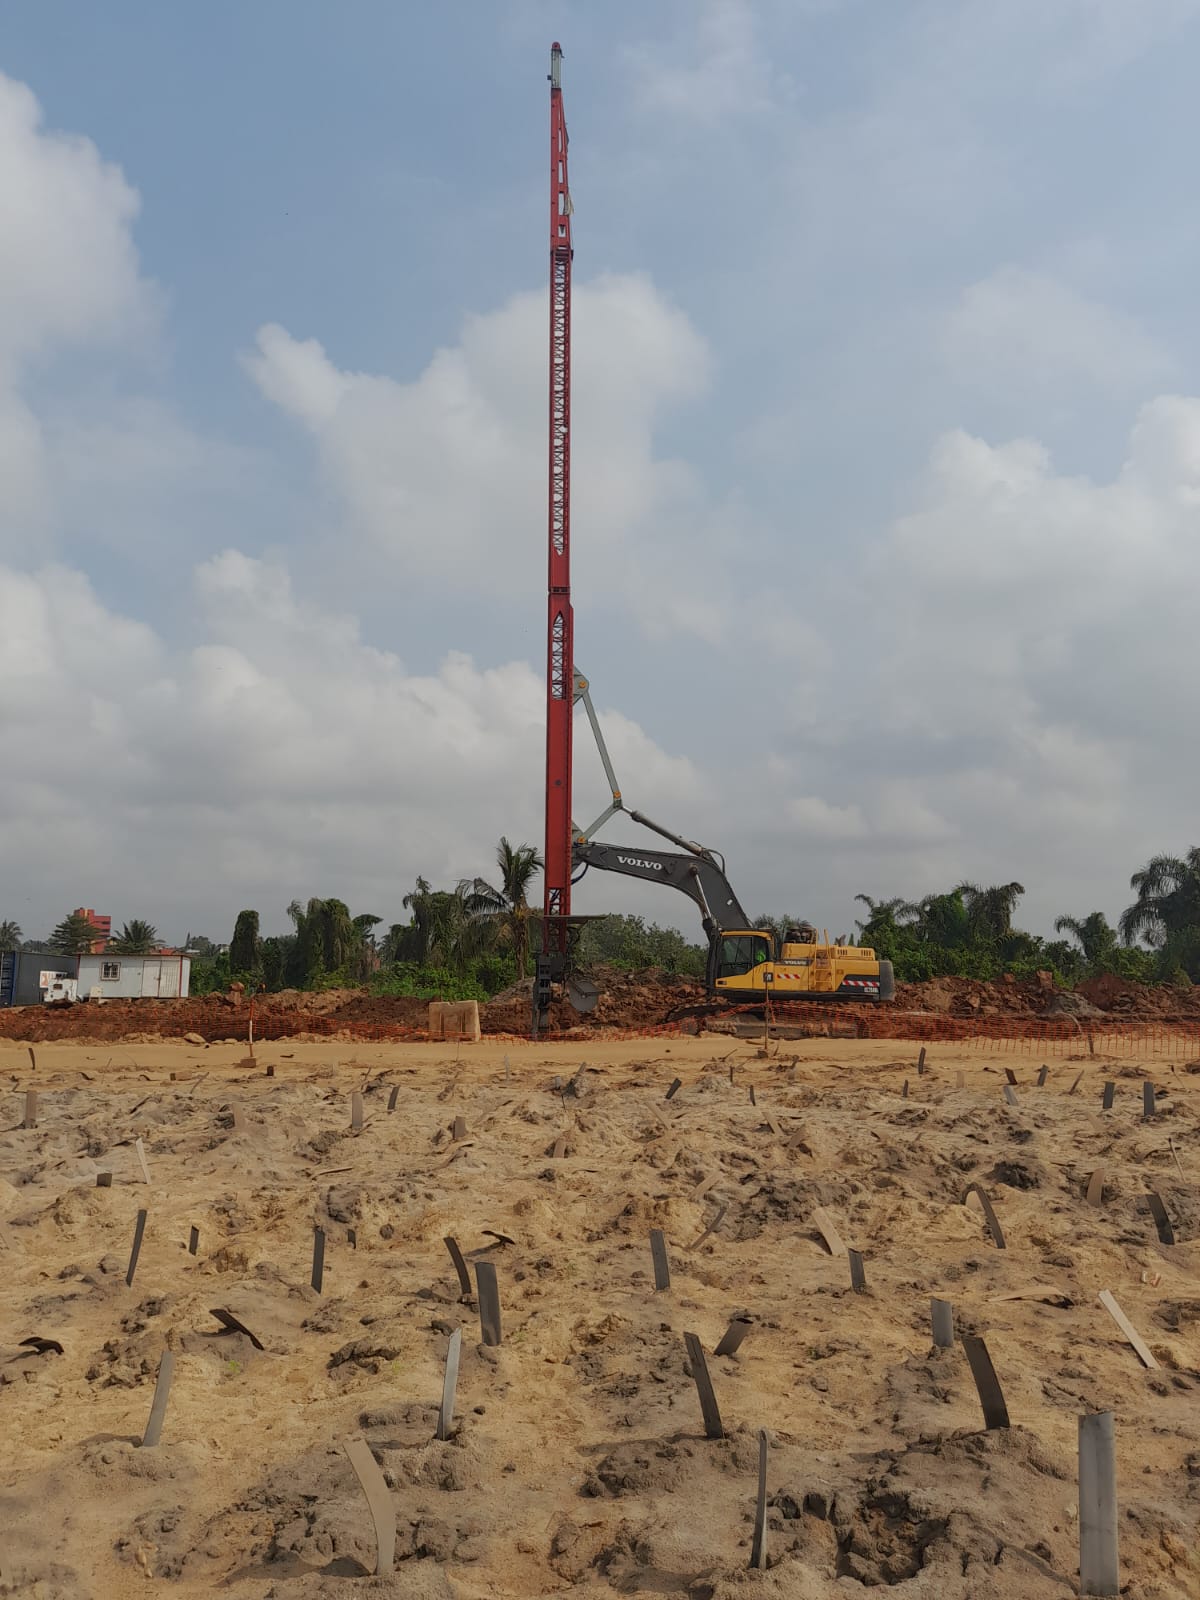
{"x":921,"y":1063}
{"x":758,"y":1550}
{"x":489,"y":1301}
{"x":162,"y":1388}
{"x":391,"y":1105}
{"x":30,"y":1109}
{"x":460,"y":1266}
{"x":193,"y":1241}
{"x":356,"y":1112}
{"x":676,"y":1085}
{"x":989,"y":1215}
{"x":449,"y":1385}
{"x":987,"y":1385}
{"x":731,"y":1339}
{"x":318,"y":1258}
{"x":1106,"y":1102}
{"x":658,"y":1254}
{"x":941,"y":1314}
{"x":858,"y":1275}
{"x":138,"y":1231}
{"x":379,"y":1502}
{"x":1010,"y":1094}
{"x":1162,"y":1222}
{"x":704,"y":1388}
{"x":1043,"y":1074}
{"x":1099,"y":1565}
{"x":1148,"y":1102}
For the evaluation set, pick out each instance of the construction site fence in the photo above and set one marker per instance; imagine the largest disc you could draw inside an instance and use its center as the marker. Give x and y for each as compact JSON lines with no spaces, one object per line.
{"x":1060,"y":1036}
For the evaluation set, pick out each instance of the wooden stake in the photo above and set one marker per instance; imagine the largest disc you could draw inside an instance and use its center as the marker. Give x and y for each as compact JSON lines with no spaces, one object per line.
{"x":758,"y":1550}
{"x":658,"y":1254}
{"x":704,"y":1388}
{"x":489,"y":1301}
{"x":138,"y":1231}
{"x":379,"y":1502}
{"x":449,"y":1385}
{"x":941,"y":1314}
{"x":1141,"y":1348}
{"x":162,"y":1388}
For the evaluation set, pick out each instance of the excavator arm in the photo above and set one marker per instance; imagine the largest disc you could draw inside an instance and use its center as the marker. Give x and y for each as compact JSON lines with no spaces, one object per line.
{"x":696,"y":875}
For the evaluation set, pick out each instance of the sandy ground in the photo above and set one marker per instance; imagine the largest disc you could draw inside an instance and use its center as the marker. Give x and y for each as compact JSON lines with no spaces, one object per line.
{"x":578,"y":1457}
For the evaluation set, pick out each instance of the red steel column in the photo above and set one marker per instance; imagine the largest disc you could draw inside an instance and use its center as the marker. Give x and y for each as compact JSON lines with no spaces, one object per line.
{"x":560,"y":652}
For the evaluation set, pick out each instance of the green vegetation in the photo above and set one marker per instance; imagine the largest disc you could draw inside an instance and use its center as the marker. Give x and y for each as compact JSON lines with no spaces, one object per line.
{"x":74,"y":936}
{"x":136,"y":938}
{"x":968,"y":932}
{"x":472,"y":941}
{"x":629,"y":943}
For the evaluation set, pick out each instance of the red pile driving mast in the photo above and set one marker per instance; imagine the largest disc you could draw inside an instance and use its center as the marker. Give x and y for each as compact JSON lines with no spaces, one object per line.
{"x":560,"y":652}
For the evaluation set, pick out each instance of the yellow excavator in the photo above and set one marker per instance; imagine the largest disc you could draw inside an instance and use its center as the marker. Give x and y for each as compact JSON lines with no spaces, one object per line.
{"x":745,"y":964}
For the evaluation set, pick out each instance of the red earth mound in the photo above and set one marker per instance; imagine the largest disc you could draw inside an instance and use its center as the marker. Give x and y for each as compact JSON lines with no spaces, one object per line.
{"x":627,"y":1001}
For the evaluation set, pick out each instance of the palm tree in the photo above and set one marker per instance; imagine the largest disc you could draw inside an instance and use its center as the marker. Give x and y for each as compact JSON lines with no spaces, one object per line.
{"x":884,"y":916}
{"x":1096,"y":938}
{"x":136,"y":938}
{"x":504,"y":910}
{"x":990,"y":911}
{"x":10,"y":937}
{"x":326,"y":938}
{"x":439,"y":920}
{"x":942,"y":919}
{"x":1168,"y":900}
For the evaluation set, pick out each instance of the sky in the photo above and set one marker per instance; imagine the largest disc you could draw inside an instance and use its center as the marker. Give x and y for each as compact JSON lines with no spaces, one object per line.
{"x":886,"y":447}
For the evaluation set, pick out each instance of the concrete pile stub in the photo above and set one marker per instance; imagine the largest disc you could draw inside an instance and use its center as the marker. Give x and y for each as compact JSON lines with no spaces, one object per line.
{"x":454,"y":1019}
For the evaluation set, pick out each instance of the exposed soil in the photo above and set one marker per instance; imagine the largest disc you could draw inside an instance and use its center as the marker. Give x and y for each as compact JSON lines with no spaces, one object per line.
{"x":577,"y":1459}
{"x":627,"y":1001}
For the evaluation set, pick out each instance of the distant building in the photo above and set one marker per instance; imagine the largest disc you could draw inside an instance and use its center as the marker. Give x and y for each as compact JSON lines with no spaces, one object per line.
{"x":102,"y":925}
{"x":25,"y":975}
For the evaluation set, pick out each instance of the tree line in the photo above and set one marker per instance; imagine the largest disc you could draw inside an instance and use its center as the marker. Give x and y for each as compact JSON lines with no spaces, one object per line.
{"x":75,"y":936}
{"x":968,"y":932}
{"x":471,"y":941}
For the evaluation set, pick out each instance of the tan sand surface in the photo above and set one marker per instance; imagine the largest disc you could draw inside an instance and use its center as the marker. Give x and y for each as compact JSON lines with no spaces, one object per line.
{"x":578,"y":1458}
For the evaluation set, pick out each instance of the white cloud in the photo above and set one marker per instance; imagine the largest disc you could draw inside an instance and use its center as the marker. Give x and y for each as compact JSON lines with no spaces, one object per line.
{"x":69,"y":270}
{"x":715,"y":66}
{"x":814,"y":818}
{"x":280,"y":755}
{"x":1025,"y":330}
{"x":444,"y":478}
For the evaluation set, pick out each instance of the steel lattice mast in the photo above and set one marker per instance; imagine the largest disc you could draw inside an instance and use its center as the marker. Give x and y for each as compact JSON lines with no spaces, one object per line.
{"x":560,"y":654}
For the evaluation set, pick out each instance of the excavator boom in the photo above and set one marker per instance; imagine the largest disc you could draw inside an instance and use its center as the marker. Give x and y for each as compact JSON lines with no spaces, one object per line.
{"x":696,"y":875}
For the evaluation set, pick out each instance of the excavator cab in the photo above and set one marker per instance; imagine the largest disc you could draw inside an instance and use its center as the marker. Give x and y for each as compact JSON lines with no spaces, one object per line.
{"x":732,"y":954}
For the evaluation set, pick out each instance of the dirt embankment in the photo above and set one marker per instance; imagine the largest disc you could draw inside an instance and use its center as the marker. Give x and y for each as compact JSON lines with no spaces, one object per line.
{"x":627,"y":1001}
